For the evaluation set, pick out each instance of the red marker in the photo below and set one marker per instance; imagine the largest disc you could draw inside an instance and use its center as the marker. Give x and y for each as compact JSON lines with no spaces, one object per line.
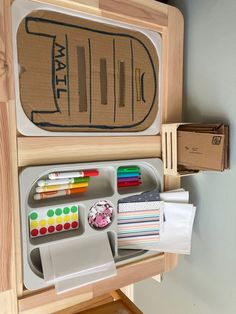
{"x":74,"y":174}
{"x":127,"y":184}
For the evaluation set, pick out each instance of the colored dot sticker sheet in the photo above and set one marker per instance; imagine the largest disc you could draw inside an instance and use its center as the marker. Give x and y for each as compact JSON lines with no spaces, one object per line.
{"x":46,"y":221}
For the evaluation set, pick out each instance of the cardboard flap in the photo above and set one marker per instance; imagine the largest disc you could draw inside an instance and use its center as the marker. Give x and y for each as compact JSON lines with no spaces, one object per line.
{"x":76,"y":262}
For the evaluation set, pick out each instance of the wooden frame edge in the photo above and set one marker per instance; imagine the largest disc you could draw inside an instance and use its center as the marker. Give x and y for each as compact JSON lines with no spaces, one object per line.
{"x":172,"y":95}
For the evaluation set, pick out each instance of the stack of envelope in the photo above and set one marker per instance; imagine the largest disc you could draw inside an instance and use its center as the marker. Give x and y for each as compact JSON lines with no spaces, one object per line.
{"x":156,"y":221}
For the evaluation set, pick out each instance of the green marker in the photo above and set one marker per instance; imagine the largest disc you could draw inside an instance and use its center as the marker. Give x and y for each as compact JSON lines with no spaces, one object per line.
{"x":128,"y":169}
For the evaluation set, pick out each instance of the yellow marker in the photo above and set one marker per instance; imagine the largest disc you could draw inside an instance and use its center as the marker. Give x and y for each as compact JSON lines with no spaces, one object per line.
{"x":43,"y":223}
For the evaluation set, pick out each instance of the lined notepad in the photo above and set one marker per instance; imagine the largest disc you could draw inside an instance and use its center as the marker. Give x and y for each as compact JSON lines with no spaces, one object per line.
{"x":139,"y":224}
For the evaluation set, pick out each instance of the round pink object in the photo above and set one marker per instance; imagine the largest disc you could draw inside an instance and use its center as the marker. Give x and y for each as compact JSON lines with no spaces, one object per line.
{"x":100,"y":215}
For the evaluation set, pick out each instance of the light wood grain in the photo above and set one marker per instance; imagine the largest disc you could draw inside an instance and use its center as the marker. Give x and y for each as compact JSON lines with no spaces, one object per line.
{"x":9,"y":153}
{"x":128,"y":303}
{"x":147,"y":11}
{"x":3,"y":56}
{"x":129,"y":292}
{"x":103,"y":299}
{"x":5,"y":202}
{"x":8,"y":302}
{"x":15,"y":197}
{"x":8,"y":295}
{"x":49,"y":302}
{"x":120,"y":304}
{"x":86,"y":6}
{"x":173,"y":67}
{"x":52,"y":150}
{"x":7,"y":249}
{"x":126,"y":274}
{"x":6,"y":74}
{"x":113,"y":307}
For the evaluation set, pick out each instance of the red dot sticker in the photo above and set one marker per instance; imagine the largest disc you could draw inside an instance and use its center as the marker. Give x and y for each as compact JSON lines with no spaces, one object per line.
{"x":34,"y":232}
{"x":67,"y":226}
{"x":59,"y":227}
{"x":51,"y":229}
{"x":43,"y":230}
{"x":74,"y":224}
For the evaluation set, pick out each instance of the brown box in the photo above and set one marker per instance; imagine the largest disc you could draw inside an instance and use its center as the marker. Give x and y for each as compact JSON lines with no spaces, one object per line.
{"x":201,"y":151}
{"x":188,"y":148}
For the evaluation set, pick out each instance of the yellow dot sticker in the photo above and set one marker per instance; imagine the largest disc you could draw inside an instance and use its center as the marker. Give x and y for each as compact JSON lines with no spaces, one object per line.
{"x":34,"y":224}
{"x":43,"y":223}
{"x":59,"y":220}
{"x":66,"y":218}
{"x":51,"y":221}
{"x":74,"y":217}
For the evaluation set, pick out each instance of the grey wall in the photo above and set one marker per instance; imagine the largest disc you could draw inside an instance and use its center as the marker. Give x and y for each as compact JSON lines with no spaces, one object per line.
{"x":205,"y":282}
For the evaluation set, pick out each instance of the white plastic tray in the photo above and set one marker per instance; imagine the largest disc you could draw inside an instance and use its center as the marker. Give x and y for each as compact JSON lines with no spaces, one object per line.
{"x":22,"y":8}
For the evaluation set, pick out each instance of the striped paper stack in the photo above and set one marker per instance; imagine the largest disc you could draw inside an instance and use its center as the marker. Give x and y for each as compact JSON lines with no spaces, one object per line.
{"x":139,"y":224}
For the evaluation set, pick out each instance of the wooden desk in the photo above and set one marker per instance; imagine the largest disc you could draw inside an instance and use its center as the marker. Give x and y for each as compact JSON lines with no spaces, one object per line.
{"x":17,"y":151}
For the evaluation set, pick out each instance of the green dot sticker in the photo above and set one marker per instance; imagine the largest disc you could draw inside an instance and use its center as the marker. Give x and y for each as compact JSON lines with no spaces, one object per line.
{"x":74,"y":209}
{"x":50,"y":213}
{"x":33,"y":216}
{"x":66,"y":210}
{"x":58,"y":211}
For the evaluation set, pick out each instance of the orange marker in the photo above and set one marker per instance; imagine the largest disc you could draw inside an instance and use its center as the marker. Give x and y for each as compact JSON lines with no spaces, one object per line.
{"x":51,"y":194}
{"x":41,"y":189}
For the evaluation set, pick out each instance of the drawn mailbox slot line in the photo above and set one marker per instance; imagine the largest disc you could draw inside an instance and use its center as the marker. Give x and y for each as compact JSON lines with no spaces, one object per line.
{"x":114,"y":76}
{"x":121,"y":84}
{"x":103,"y":81}
{"x":138,"y":84}
{"x":142,"y":87}
{"x":82,"y":79}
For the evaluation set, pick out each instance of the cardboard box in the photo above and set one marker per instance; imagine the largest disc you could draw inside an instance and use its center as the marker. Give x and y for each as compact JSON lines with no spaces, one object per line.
{"x":203,"y":147}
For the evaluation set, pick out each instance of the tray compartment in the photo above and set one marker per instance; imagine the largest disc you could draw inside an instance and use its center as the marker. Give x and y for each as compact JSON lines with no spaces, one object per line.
{"x":103,"y":187}
{"x":148,"y":179}
{"x":98,"y":188}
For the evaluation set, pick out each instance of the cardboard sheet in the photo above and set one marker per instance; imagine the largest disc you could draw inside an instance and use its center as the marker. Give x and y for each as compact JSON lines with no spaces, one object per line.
{"x":61,"y":59}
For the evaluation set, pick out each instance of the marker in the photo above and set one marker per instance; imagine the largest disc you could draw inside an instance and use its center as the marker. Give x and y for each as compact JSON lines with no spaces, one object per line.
{"x":51,"y":194}
{"x":129,"y":179}
{"x":128,"y":175}
{"x":41,"y":189}
{"x":128,"y":184}
{"x":128,"y":169}
{"x":73,"y":174}
{"x":62,"y":181}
